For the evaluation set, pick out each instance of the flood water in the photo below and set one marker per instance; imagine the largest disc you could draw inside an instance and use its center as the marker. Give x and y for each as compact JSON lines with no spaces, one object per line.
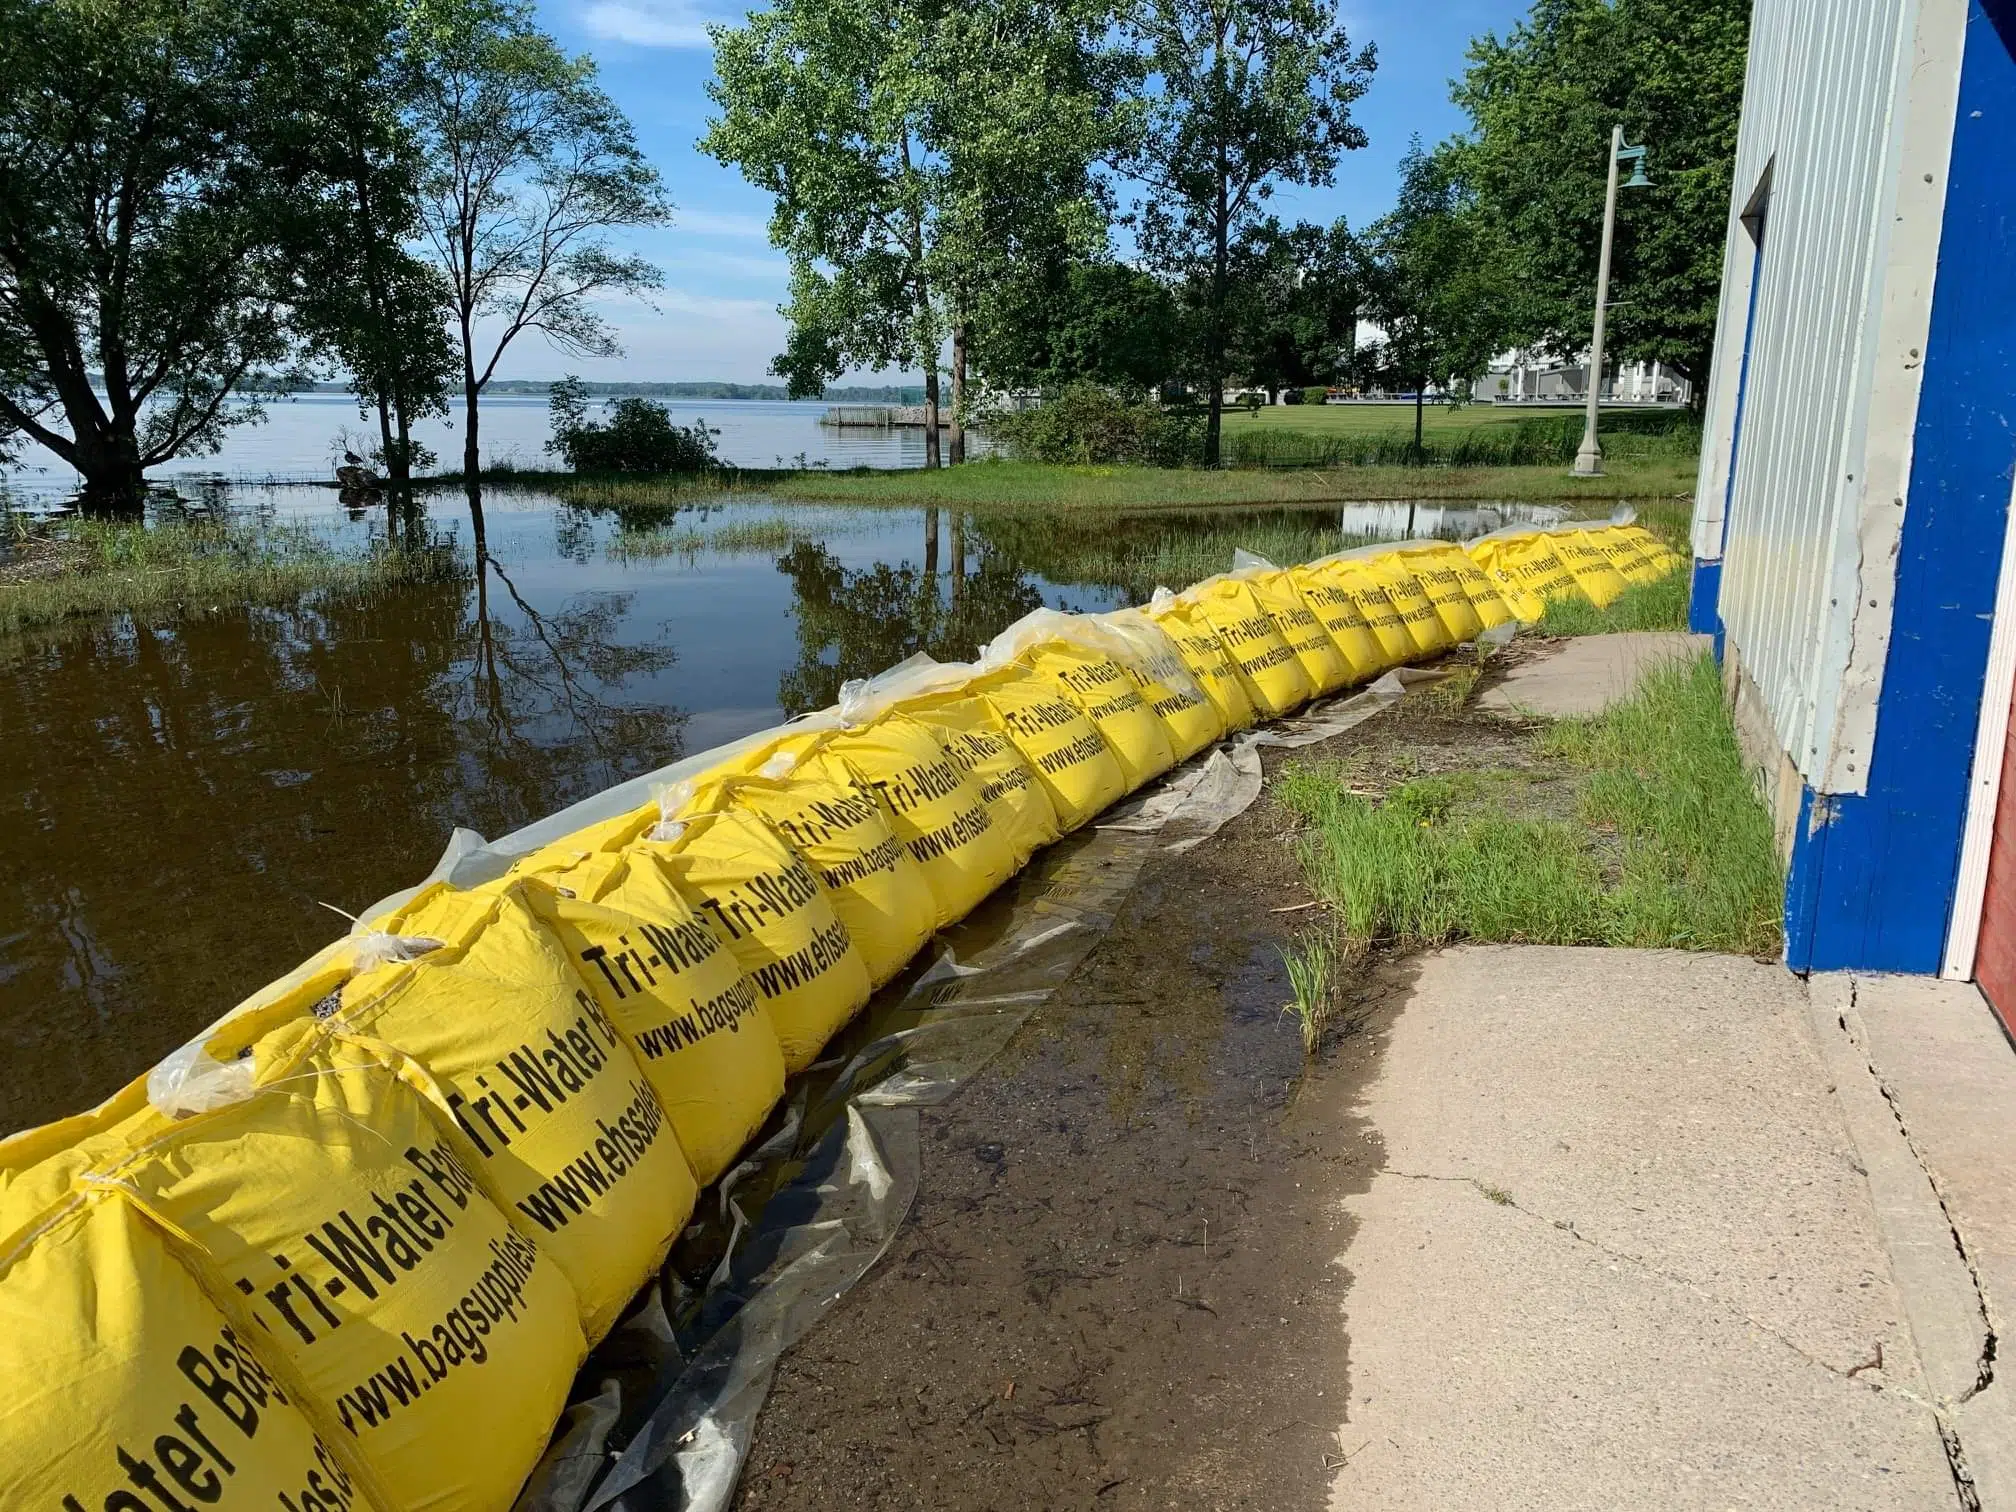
{"x":180,"y":796}
{"x":301,"y":440}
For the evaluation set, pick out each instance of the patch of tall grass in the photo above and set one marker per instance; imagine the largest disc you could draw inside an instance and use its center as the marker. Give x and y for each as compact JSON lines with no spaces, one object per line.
{"x":109,"y":567}
{"x":1670,"y":847}
{"x":1540,"y":441}
{"x":1659,"y":605}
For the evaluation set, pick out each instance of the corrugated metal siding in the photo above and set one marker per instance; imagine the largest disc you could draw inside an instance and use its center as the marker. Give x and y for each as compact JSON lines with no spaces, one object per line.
{"x":1827,"y":80}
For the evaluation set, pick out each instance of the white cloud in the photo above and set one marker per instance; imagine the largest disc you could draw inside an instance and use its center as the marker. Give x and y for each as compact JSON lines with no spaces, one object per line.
{"x":656,"y":23}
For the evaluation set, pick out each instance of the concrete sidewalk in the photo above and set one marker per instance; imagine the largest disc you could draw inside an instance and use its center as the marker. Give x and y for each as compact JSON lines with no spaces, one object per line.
{"x":1659,"y":1230}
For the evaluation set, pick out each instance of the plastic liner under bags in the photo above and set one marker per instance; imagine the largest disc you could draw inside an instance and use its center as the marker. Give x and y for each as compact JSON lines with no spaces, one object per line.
{"x":664,"y":1412}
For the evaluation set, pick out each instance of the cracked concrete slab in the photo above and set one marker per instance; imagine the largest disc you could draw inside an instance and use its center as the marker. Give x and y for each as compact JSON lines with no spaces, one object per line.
{"x":1947,"y":1071}
{"x":1658,"y":1276}
{"x":1497,"y":1362}
{"x":1588,"y":673}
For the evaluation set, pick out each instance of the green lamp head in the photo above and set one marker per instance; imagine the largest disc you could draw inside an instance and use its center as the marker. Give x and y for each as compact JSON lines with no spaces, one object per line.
{"x":1638,"y":180}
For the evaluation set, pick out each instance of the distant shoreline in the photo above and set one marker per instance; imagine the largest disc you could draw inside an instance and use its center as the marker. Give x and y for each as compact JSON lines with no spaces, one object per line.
{"x":770,"y":392}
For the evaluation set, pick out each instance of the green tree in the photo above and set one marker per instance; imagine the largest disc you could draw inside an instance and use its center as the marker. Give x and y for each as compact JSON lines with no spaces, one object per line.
{"x":1542,"y":101}
{"x":1062,"y":321}
{"x":1430,"y":276}
{"x":157,"y":183}
{"x":1244,"y":94}
{"x":914,"y":151}
{"x":529,"y":166}
{"x":823,"y":105}
{"x":365,"y":296}
{"x":1295,"y":305}
{"x":1025,"y":105}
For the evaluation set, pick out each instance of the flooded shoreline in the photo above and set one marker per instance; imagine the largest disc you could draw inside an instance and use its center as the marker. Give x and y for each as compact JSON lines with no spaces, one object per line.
{"x":188,"y":794}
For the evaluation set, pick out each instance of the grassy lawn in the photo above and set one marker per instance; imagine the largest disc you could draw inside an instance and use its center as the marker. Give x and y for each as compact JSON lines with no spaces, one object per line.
{"x":95,"y":567}
{"x":1437,"y":420}
{"x":998,"y":485}
{"x":1638,"y":827}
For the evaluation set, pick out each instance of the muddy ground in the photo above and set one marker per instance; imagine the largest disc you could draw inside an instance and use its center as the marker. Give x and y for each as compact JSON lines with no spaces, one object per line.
{"x":1119,"y":1286}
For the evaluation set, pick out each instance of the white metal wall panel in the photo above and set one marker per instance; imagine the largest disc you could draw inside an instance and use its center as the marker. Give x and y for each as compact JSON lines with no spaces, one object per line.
{"x":1845,"y":102}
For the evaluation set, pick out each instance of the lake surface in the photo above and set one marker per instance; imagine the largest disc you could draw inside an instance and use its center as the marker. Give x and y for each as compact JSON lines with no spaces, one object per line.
{"x":182,"y":796}
{"x":302,"y":439}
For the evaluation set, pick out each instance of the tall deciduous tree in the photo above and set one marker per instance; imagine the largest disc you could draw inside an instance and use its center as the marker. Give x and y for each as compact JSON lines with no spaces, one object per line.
{"x":916,"y":151}
{"x":1431,"y":278}
{"x":156,"y":186}
{"x":822,"y":103}
{"x":529,"y":167}
{"x":1295,"y":305}
{"x":1542,"y":101}
{"x":1244,"y":94}
{"x":364,"y":296}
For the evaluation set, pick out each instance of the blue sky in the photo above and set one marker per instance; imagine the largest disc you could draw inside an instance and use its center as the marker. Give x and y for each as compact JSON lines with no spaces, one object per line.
{"x":717,"y":315}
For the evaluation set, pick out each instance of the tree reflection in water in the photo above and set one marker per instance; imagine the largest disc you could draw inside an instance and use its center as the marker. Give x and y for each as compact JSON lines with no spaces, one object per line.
{"x":855,"y":622}
{"x":180,"y":796}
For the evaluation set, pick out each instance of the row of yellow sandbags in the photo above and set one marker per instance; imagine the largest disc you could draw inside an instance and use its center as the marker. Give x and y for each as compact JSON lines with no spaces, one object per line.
{"x":350,"y":1248}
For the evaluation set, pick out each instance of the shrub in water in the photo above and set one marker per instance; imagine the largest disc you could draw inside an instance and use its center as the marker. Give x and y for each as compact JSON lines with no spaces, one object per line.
{"x":1086,"y":424}
{"x":637,"y":437}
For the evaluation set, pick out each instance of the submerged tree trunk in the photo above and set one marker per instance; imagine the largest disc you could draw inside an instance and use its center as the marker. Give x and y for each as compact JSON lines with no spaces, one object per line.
{"x":931,"y":549}
{"x":958,"y":437}
{"x":931,"y":413}
{"x":114,"y":483}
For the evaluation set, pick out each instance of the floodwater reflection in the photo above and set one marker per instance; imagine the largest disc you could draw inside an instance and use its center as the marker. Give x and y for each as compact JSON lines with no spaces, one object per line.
{"x":180,"y":795}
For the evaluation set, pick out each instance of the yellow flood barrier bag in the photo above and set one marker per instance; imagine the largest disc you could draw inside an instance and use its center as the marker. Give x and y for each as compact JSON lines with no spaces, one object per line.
{"x":1070,"y":758}
{"x":128,"y":1391}
{"x":1366,"y":589}
{"x":1189,"y":716}
{"x":1585,"y":558}
{"x":875,"y":885}
{"x":1327,"y":666}
{"x":1342,"y":621}
{"x":933,"y":807}
{"x":1111,"y":700}
{"x":1204,"y":657}
{"x":763,"y":900}
{"x":1484,"y":596}
{"x":1526,"y":570}
{"x":1662,"y":557}
{"x":975,"y":738}
{"x":676,"y":992}
{"x":1624,"y":554}
{"x":1443,"y":585}
{"x":562,"y":1119}
{"x":1417,"y":612}
{"x":332,"y":1206}
{"x":1271,"y":671}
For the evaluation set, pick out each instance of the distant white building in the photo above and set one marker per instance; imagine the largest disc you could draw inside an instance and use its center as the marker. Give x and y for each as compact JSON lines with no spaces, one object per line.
{"x":1527,"y":377}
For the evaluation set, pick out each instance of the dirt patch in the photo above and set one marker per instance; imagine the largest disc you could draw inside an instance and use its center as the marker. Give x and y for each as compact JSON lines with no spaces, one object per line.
{"x":38,"y":560}
{"x":1119,"y":1284}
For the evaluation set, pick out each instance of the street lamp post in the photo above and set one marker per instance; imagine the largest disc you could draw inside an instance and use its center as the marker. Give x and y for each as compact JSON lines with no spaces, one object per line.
{"x":1589,"y":460}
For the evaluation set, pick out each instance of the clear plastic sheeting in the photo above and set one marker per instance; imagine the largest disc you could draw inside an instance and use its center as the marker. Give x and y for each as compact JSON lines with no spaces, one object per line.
{"x":665,"y":1411}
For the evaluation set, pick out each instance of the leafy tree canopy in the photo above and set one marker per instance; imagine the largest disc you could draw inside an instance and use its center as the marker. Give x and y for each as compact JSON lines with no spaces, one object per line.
{"x":1542,"y":101}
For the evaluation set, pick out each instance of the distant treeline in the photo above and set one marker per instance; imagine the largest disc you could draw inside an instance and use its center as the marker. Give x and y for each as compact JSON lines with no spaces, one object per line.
{"x":889,"y":394}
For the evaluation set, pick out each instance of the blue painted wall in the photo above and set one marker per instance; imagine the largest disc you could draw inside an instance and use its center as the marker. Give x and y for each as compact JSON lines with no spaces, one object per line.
{"x":1872,"y":878}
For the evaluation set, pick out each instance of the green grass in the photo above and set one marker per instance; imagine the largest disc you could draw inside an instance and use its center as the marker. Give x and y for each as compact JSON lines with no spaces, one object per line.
{"x":760,"y":536}
{"x":1437,"y":420}
{"x":172,"y":567}
{"x":1669,"y":846}
{"x":1311,"y":966}
{"x":1660,"y":605}
{"x":1474,"y":436}
{"x":995,"y":486}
